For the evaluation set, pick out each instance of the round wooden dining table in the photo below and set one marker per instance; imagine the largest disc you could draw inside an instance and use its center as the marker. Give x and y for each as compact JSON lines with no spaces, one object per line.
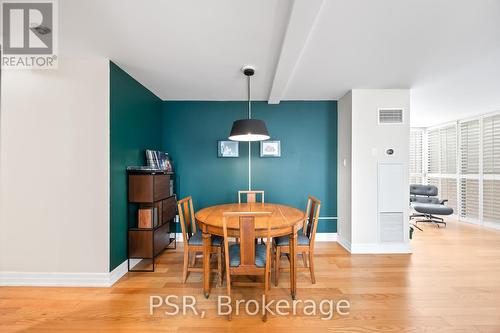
{"x":285,"y":221}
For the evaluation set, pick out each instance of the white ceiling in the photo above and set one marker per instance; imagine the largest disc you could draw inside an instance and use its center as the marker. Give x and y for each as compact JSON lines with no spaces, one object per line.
{"x":446,"y":51}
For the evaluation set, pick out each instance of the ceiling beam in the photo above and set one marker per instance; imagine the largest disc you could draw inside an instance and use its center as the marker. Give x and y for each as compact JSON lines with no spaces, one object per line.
{"x":303,"y":17}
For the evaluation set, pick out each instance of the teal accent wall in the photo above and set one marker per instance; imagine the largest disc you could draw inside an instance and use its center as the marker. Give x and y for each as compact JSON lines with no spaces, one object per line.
{"x":135,"y":125}
{"x":308,"y":162}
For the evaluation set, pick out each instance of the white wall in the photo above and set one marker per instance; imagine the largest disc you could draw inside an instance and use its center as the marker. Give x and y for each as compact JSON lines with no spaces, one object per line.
{"x":369,"y":143}
{"x":54,"y":169}
{"x":344,"y":170}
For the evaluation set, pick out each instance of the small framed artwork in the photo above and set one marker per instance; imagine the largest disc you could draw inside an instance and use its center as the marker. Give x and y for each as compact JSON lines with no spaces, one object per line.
{"x":228,"y":149}
{"x":270,"y":148}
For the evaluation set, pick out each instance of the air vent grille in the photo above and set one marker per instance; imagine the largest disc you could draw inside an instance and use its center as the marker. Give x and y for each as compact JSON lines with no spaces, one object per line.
{"x":391,"y":227}
{"x":390,"y":116}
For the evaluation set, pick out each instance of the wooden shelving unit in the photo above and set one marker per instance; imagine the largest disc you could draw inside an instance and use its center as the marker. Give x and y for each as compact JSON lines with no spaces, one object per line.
{"x":149,"y":189}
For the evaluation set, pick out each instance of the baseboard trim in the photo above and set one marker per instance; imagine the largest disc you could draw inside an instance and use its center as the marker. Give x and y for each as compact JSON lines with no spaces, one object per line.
{"x":117,"y":273}
{"x":344,"y":243}
{"x":320,"y":237}
{"x":326,"y":237}
{"x":63,"y":279}
{"x":484,"y":224}
{"x":380,"y":248}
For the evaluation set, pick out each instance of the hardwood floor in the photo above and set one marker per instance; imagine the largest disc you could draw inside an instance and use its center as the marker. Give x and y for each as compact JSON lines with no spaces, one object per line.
{"x":451,"y":283}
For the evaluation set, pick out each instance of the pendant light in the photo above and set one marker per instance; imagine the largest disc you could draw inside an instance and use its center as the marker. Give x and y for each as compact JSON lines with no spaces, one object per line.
{"x":249,"y":129}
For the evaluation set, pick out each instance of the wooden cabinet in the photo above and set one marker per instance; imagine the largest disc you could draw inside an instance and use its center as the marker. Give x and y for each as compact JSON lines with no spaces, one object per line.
{"x":148,"y":243}
{"x":169,"y":209}
{"x":150,"y":189}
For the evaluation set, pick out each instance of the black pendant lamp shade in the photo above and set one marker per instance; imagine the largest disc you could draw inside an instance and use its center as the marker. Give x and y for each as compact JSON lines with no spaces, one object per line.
{"x":249,"y":129}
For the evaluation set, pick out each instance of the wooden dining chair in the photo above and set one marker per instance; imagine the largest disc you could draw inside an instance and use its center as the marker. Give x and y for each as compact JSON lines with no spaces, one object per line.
{"x":251,"y":196}
{"x":305,"y":241}
{"x":246,"y":257}
{"x":193,"y":243}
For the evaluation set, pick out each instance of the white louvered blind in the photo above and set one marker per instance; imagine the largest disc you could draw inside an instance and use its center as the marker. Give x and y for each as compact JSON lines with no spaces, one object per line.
{"x":469,"y":198}
{"x":448,"y":190}
{"x":416,"y":179}
{"x":448,"y":151}
{"x":463,"y":161}
{"x":433,"y":151}
{"x":434,"y":181}
{"x":491,"y":201}
{"x":469,"y":166}
{"x":469,"y":144}
{"x":442,"y":150}
{"x":491,"y":145}
{"x":491,"y":169}
{"x":416,"y":156}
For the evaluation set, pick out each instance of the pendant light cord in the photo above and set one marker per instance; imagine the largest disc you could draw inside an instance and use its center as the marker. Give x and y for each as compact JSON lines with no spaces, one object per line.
{"x":249,"y":104}
{"x":249,"y":166}
{"x":249,"y":143}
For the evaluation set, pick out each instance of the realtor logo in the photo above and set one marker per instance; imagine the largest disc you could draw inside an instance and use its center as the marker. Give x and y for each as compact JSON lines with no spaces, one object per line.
{"x":29,"y":34}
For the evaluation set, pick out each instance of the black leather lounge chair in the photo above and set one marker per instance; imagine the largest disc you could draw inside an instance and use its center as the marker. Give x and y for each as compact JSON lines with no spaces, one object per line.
{"x":426,"y":204}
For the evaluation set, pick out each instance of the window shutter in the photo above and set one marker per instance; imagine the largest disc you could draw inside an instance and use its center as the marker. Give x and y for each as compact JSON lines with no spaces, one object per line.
{"x":491,"y":145}
{"x":472,"y":183}
{"x":434,"y":181}
{"x":448,"y":191}
{"x":442,"y":150}
{"x":433,"y":151}
{"x":469,"y":141}
{"x":416,"y":179}
{"x":491,"y":202}
{"x":469,"y":165}
{"x":416,"y":144}
{"x":469,"y":196}
{"x":448,"y":151}
{"x":491,"y":169}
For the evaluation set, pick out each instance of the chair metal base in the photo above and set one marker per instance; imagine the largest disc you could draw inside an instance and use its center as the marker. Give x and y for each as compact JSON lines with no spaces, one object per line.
{"x":429,"y":218}
{"x":416,"y":226}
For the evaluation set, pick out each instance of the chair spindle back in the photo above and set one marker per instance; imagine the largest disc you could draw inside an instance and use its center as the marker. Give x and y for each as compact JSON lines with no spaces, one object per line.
{"x":186,"y":217}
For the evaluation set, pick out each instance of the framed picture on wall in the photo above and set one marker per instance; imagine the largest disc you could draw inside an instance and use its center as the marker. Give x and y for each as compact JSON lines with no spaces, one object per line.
{"x":270,"y":148}
{"x":228,"y":149}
